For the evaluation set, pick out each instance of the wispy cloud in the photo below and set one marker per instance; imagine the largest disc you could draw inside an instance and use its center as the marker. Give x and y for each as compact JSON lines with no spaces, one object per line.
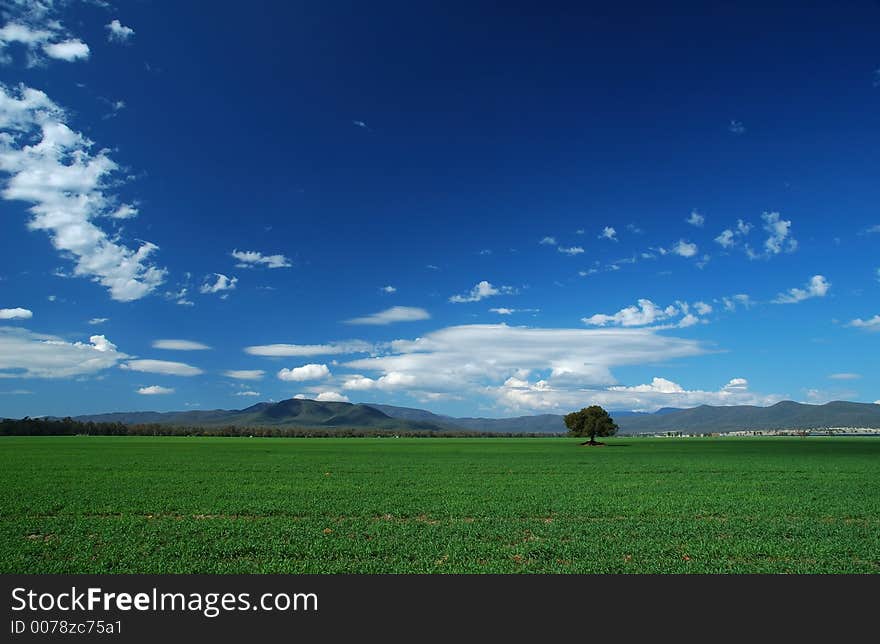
{"x":736,"y":127}
{"x":608,"y":233}
{"x":252,"y":258}
{"x":394,"y":314}
{"x":303,"y":350}
{"x":571,"y":250}
{"x":244,"y":374}
{"x":818,"y":286}
{"x":696,"y":219}
{"x":180,"y":345}
{"x":164,"y":367}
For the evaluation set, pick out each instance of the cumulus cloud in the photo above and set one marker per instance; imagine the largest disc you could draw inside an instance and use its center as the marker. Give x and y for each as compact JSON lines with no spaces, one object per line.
{"x":608,"y":233}
{"x":305,"y":372}
{"x":252,"y":258}
{"x":646,"y":313}
{"x":683,"y":248}
{"x":16,"y":314}
{"x":696,"y":219}
{"x":388,"y":382}
{"x":817,"y":287}
{"x":570,"y":250}
{"x":52,"y":167}
{"x":125,"y":211}
{"x":394,"y":314}
{"x":548,"y":241}
{"x":477,"y":357}
{"x":155,"y":390}
{"x":481,"y":291}
{"x":49,"y":39}
{"x":331,"y":396}
{"x":164,"y":367}
{"x":304,"y":350}
{"x":31,"y":355}
{"x":779,"y":236}
{"x":871,"y":324}
{"x":725,"y":239}
{"x":117,"y":32}
{"x":180,"y":345}
{"x":521,"y":395}
{"x":222,"y":283}
{"x":244,"y":374}
{"x":388,"y":289}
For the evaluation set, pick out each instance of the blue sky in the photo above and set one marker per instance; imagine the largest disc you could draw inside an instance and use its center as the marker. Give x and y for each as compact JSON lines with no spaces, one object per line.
{"x":473,"y":210}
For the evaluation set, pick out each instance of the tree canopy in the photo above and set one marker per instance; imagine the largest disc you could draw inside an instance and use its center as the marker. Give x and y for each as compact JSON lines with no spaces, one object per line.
{"x":590,"y":421}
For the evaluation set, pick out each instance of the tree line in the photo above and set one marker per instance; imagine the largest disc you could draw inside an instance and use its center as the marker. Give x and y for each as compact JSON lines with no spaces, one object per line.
{"x":70,"y":427}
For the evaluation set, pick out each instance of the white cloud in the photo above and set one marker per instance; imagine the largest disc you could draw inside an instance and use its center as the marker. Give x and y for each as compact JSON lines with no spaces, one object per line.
{"x":740,"y":299}
{"x":844,"y":376}
{"x":51,"y":167}
{"x":736,"y":127}
{"x":247,"y":393}
{"x":125,"y":211}
{"x":118,"y":32}
{"x":388,"y":289}
{"x":155,"y":390}
{"x":725,"y":238}
{"x":588,"y":272}
{"x":779,"y":238}
{"x":252,"y":258}
{"x":49,"y":38}
{"x":69,"y":50}
{"x":96,"y":321}
{"x":305,"y":372}
{"x":683,"y":248}
{"x":503,"y":311}
{"x":696,"y":219}
{"x":304,"y":350}
{"x":703,"y":308}
{"x":388,"y":382}
{"x":331,"y":396}
{"x":548,"y":241}
{"x":480,"y":292}
{"x":394,"y":314}
{"x":608,"y":233}
{"x":16,"y":314}
{"x":871,"y":324}
{"x":476,"y":357}
{"x":180,"y":345}
{"x":16,"y":392}
{"x":164,"y":367}
{"x":32,"y":355}
{"x":572,"y":250}
{"x":521,"y":395}
{"x":222,"y":283}
{"x":245,"y":374}
{"x":817,"y":287}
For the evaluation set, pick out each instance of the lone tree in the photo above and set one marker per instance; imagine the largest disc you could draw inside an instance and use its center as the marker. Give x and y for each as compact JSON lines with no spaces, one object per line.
{"x":590,"y":421}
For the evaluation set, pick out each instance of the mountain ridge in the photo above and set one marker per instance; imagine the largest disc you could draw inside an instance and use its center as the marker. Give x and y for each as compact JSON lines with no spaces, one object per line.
{"x":296,"y":412}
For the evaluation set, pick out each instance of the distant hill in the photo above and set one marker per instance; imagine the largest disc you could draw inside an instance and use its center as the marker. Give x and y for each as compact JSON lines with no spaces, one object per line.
{"x":293,"y":412}
{"x":311,"y":413}
{"x":783,"y":415}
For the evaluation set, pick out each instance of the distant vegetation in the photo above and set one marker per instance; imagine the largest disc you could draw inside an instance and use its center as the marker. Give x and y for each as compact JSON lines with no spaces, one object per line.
{"x":71,"y":427}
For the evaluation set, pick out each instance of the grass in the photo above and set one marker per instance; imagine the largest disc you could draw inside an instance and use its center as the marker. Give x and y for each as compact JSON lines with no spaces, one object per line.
{"x":217,"y":505}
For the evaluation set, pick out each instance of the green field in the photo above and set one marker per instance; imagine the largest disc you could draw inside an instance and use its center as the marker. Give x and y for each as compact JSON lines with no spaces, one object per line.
{"x":249,"y":505}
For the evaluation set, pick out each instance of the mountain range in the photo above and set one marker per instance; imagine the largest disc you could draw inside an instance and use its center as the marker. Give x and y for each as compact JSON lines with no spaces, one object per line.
{"x":705,"y":418}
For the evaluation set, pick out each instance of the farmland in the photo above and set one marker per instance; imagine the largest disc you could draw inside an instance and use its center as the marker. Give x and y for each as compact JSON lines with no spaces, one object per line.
{"x":248,"y":505}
